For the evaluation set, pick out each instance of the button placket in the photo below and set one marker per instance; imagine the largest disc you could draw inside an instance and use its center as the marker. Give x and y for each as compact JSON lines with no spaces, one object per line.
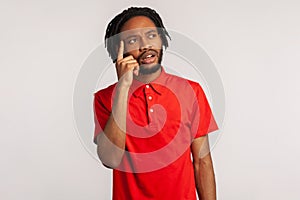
{"x":149,"y":100}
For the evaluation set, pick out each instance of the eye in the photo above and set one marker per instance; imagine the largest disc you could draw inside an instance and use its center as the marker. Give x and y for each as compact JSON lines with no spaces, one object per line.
{"x":152,"y":35}
{"x":132,"y":41}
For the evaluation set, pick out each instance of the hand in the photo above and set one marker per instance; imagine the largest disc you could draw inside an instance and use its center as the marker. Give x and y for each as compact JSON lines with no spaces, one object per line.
{"x":126,"y":67}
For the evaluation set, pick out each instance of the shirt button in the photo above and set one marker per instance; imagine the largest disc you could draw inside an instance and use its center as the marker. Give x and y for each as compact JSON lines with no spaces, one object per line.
{"x":147,"y":86}
{"x":150,"y":97}
{"x":151,"y":110}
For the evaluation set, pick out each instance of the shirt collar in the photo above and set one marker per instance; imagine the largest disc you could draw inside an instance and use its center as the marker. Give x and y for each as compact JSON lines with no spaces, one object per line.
{"x":156,"y":85}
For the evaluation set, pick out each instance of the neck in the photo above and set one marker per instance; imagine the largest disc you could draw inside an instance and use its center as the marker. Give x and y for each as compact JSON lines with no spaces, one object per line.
{"x":147,"y":78}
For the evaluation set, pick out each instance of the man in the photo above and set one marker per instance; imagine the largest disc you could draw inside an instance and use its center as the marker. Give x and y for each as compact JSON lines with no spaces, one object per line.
{"x":149,"y":123}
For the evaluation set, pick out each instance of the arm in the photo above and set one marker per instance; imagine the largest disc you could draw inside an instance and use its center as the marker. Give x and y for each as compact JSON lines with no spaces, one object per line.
{"x":111,"y":143}
{"x":203,"y":169}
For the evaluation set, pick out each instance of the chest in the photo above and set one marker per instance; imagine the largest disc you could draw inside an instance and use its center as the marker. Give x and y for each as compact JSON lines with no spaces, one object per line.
{"x":155,"y":120}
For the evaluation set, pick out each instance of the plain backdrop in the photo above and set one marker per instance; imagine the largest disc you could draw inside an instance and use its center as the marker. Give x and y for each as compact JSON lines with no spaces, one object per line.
{"x":255,"y":46}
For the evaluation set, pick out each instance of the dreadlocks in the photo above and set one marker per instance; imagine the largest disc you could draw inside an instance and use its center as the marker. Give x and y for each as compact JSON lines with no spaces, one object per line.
{"x":115,"y":25}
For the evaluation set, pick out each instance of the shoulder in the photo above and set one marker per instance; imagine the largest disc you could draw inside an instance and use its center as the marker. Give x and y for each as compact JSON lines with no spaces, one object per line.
{"x":105,"y":93}
{"x":183,"y":82}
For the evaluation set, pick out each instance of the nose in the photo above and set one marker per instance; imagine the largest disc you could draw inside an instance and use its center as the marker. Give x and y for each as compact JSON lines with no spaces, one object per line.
{"x":144,"y":44}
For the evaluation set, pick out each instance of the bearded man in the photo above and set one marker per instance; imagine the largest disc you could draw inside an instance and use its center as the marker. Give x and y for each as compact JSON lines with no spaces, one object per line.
{"x":149,"y":123}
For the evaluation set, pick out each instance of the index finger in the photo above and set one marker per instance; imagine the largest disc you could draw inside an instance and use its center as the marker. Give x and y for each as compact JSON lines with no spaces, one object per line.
{"x":121,"y":50}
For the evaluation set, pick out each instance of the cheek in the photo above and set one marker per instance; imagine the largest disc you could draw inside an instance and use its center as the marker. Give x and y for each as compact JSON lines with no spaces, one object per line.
{"x":129,"y":50}
{"x":157,"y":44}
{"x":133,"y":52}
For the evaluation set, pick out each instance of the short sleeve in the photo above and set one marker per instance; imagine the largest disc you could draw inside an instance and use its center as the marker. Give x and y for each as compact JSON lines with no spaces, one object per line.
{"x":102,"y":110}
{"x":203,"y":121}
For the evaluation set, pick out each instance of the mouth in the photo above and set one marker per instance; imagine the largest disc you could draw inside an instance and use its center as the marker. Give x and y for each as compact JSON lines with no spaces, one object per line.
{"x":148,"y":57}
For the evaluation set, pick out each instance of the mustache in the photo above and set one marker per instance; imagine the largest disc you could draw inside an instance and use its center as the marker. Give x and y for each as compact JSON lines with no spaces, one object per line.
{"x":142,"y":54}
{"x":149,"y":50}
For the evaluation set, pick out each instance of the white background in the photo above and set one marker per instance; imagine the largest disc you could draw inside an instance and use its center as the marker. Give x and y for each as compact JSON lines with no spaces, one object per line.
{"x":254,"y":44}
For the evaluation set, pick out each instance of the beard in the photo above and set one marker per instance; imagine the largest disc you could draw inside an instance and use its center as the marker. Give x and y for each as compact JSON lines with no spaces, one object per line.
{"x":149,"y":70}
{"x":145,"y":69}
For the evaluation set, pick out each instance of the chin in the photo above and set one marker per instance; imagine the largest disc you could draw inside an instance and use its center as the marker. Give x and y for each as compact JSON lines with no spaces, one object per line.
{"x":149,"y":68}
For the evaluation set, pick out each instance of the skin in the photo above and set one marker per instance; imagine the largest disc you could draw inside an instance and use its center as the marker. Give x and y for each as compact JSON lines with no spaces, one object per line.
{"x":203,"y":169}
{"x":139,"y":35}
{"x":111,"y":145}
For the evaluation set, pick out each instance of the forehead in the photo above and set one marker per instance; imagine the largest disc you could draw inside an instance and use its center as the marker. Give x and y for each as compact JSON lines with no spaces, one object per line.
{"x":138,"y":22}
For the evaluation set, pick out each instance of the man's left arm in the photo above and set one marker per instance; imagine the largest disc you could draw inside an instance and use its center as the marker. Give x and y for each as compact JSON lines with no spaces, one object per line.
{"x":203,"y":169}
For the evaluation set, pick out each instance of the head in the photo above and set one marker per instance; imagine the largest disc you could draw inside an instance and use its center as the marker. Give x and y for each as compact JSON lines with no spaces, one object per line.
{"x":142,"y":32}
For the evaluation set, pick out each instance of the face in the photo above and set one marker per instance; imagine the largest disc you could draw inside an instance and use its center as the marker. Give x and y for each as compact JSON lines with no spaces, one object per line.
{"x":142,"y":41}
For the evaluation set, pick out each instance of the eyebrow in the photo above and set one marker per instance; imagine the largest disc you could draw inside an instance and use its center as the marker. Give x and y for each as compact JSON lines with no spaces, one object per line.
{"x":130,"y":36}
{"x":151,"y":31}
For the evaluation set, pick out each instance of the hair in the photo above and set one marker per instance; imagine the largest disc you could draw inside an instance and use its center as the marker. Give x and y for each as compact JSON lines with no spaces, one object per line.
{"x":115,"y":25}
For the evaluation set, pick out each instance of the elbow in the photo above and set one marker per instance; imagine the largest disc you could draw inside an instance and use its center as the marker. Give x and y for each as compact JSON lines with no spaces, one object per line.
{"x":110,"y":163}
{"x":109,"y":154}
{"x":203,"y":163}
{"x":110,"y":159}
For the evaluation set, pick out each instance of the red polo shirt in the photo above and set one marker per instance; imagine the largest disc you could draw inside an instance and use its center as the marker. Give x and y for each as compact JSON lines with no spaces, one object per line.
{"x":163,"y":118}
